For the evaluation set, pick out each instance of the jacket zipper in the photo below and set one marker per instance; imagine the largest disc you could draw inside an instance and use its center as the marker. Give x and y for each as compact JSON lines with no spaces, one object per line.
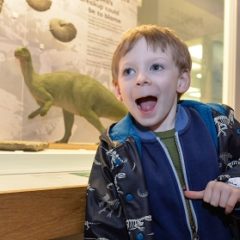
{"x":192,"y":229}
{"x":195,"y":226}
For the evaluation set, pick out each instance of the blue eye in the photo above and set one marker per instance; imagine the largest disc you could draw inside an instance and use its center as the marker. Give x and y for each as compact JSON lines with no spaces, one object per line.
{"x":128,"y":71}
{"x":156,"y":67}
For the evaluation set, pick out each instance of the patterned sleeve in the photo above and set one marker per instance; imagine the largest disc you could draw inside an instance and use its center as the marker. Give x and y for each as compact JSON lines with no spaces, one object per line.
{"x":104,"y":217}
{"x":228,"y":131}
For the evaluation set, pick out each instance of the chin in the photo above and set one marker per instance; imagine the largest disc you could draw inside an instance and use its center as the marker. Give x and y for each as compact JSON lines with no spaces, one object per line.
{"x":148,"y":124}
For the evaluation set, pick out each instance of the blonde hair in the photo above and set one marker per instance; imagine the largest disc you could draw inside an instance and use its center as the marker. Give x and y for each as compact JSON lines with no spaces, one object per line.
{"x":156,"y":37}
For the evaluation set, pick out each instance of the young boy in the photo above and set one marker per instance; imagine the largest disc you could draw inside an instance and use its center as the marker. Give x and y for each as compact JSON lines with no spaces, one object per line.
{"x":170,"y":169}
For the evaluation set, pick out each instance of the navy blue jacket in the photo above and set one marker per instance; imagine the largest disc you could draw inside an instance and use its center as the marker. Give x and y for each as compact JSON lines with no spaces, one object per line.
{"x":134,"y":191}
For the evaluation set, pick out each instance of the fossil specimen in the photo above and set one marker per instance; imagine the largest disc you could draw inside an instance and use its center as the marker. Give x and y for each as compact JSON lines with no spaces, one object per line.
{"x":62,"y":30}
{"x":39,"y":5}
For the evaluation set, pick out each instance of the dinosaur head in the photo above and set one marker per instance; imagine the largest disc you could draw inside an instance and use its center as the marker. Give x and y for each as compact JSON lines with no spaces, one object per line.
{"x":22,"y":54}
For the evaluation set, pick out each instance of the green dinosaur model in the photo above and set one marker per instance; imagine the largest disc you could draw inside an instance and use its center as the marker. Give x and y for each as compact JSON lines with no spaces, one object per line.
{"x":75,"y":93}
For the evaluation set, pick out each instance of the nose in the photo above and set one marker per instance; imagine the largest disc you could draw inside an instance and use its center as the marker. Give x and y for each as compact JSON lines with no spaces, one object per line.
{"x":142,"y":79}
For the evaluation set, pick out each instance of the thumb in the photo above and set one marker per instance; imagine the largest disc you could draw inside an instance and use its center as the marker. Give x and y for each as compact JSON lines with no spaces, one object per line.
{"x":194,"y":194}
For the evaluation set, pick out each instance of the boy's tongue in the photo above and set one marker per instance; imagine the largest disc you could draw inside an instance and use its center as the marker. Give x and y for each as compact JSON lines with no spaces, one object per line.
{"x":147,"y":103}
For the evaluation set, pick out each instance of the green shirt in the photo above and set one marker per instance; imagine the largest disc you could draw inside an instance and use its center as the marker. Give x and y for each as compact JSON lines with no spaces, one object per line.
{"x":168,"y":138}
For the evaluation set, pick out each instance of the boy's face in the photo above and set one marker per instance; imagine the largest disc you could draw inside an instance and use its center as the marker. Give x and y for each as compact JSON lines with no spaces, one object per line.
{"x":149,"y":83}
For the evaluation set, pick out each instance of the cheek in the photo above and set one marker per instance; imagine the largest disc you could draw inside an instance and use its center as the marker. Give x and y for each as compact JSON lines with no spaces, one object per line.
{"x":167,"y":92}
{"x":171,"y":85}
{"x":125,"y":95}
{"x":121,"y":93}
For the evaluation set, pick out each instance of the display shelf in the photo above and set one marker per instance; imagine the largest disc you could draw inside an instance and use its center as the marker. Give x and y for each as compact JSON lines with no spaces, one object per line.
{"x":42,"y":193}
{"x":34,"y":182}
{"x":46,"y":161}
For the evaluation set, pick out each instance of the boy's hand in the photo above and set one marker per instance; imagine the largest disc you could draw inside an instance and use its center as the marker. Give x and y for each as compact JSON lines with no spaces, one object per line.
{"x":218,"y":194}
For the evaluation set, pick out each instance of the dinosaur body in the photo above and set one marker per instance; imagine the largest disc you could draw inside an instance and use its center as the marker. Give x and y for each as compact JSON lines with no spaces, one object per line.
{"x":75,"y":93}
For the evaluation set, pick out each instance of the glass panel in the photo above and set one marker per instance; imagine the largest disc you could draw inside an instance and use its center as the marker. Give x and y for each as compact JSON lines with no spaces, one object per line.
{"x":200,"y":25}
{"x":76,"y":38}
{"x":99,"y":26}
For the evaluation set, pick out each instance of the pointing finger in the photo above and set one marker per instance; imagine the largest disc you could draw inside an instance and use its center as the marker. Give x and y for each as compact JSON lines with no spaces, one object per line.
{"x":194,"y":194}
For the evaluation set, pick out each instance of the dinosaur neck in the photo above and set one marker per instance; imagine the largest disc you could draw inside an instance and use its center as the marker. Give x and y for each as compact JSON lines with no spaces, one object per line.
{"x":27,"y":71}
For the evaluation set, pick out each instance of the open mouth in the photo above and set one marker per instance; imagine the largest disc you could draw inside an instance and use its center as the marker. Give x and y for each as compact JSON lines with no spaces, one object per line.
{"x":147,"y":103}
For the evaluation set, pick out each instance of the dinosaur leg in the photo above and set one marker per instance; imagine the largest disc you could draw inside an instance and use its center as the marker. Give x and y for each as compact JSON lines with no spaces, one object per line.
{"x":68,"y":123}
{"x":35,"y":113}
{"x":45,"y":108}
{"x":42,"y":110}
{"x":93,"y":118}
{"x":46,"y":99}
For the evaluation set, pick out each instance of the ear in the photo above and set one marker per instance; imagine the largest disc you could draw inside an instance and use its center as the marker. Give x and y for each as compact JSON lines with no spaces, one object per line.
{"x":117,"y":92}
{"x":183,"y":82}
